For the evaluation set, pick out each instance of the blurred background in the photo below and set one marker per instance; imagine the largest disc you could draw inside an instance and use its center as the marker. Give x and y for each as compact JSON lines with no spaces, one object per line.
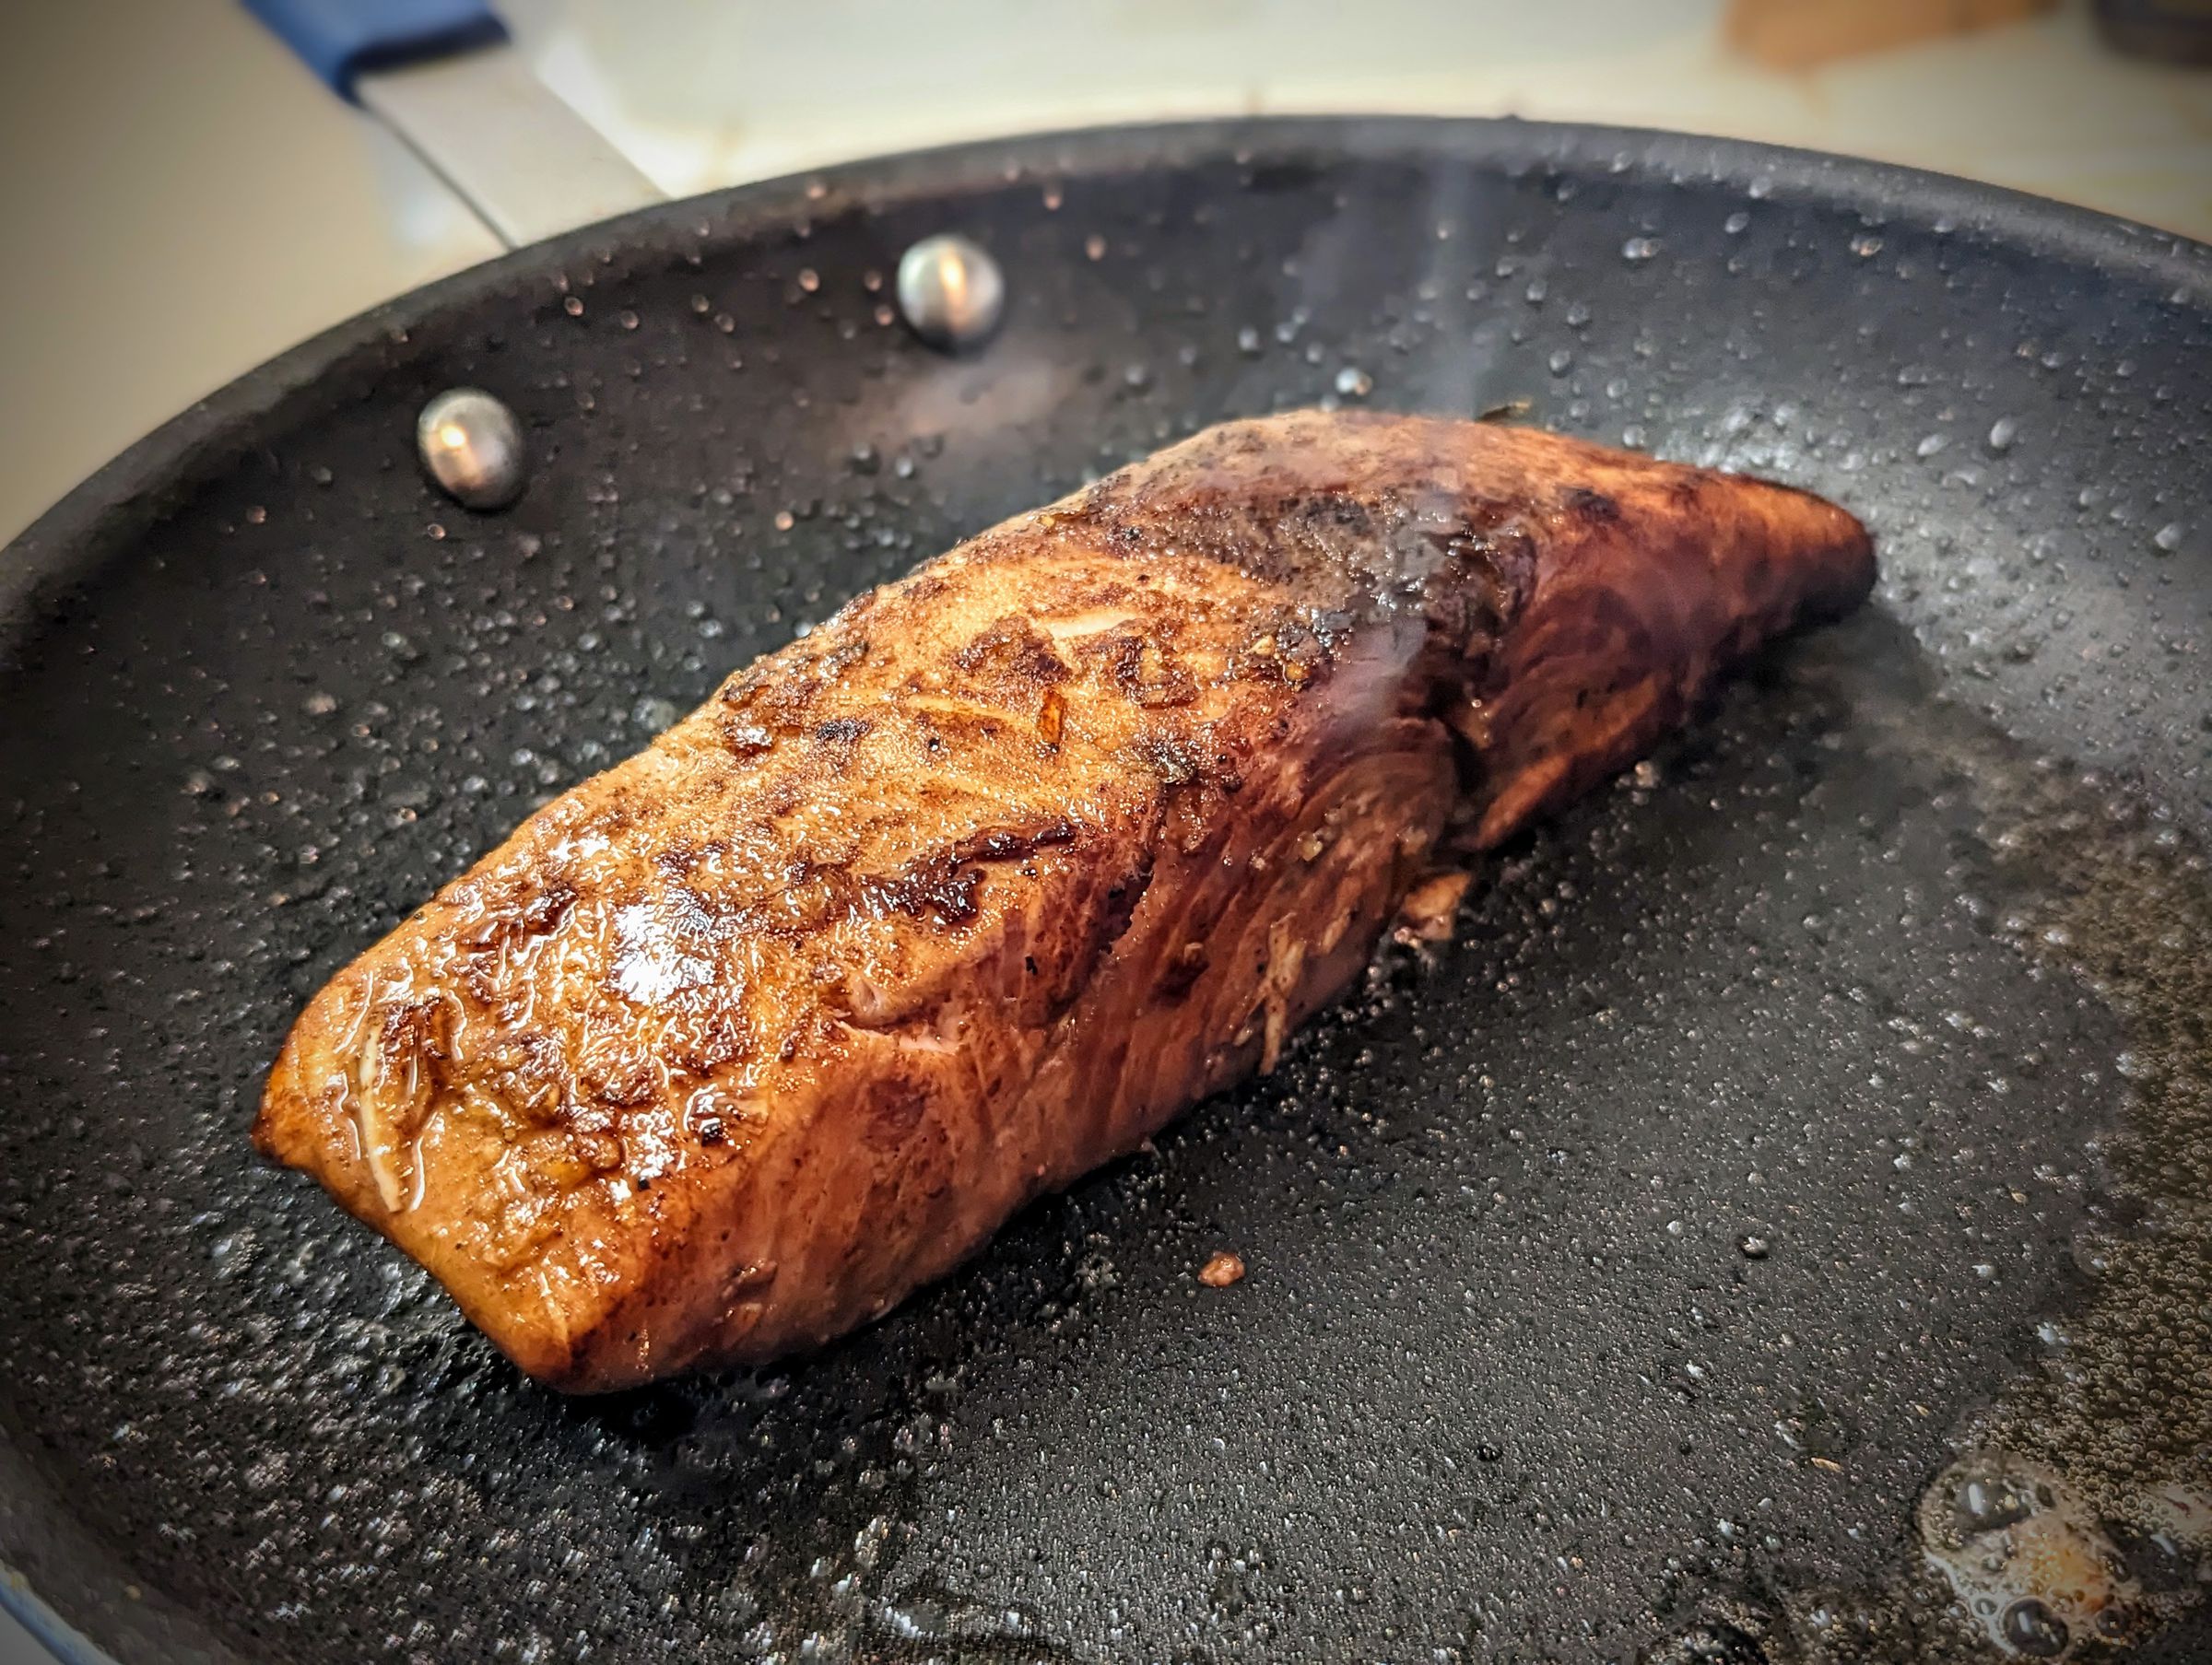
{"x":183,"y":199}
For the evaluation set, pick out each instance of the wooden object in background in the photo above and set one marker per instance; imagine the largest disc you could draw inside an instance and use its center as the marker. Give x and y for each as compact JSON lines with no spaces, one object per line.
{"x":1805,"y":34}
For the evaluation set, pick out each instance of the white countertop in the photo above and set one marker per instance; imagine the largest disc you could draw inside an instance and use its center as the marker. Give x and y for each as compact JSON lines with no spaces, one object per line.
{"x":184,"y":201}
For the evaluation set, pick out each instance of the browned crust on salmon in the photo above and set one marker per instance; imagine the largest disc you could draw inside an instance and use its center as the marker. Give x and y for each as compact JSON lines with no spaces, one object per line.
{"x":971,"y":889}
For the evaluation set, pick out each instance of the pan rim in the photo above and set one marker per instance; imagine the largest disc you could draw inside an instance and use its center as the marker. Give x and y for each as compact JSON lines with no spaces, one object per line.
{"x":55,"y":546}
{"x":76,"y":534}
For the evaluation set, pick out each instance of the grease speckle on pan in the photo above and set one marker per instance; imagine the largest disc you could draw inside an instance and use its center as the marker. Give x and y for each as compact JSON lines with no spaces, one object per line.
{"x":2076,"y":1520}
{"x":1619,"y":1286}
{"x":2121,"y":1413}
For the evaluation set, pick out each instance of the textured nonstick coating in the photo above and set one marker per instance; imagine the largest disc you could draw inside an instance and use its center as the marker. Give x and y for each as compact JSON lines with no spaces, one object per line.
{"x":1503,"y":1375}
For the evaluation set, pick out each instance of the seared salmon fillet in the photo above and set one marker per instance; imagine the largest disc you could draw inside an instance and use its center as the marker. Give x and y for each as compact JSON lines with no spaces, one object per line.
{"x":971,"y":890}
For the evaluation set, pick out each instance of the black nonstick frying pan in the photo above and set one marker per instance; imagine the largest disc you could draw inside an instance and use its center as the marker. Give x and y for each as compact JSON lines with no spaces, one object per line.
{"x":1777,"y":1229}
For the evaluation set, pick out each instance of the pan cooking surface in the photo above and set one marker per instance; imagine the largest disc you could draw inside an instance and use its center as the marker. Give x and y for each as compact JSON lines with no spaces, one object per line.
{"x":1805,"y":1117}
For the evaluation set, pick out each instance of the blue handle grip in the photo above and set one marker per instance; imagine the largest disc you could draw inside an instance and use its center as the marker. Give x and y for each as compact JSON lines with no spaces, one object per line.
{"x":344,"y":39}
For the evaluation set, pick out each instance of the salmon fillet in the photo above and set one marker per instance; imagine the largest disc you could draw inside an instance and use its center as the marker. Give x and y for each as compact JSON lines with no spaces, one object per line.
{"x":971,"y":890}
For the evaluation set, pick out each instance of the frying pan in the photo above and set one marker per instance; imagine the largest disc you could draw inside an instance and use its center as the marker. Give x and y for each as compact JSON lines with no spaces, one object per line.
{"x":1818,"y":1110}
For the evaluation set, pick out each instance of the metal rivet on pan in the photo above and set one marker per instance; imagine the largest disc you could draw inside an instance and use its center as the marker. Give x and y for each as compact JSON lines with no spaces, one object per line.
{"x":472,"y":445}
{"x":950,"y":290}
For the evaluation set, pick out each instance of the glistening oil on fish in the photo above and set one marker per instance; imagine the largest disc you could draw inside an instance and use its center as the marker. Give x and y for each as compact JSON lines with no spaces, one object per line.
{"x":981,"y":882}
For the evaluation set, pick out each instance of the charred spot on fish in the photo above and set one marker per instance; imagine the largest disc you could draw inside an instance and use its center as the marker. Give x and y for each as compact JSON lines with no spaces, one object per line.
{"x":936,"y":887}
{"x":1006,"y":844}
{"x":783,"y":705}
{"x":680,"y":861}
{"x":1337,"y":510}
{"x":841,"y":730}
{"x":1490,"y":571}
{"x":1142,"y":668}
{"x":843,"y":657}
{"x":548,"y":909}
{"x":1591,"y":508}
{"x":415,"y":1028}
{"x":922,"y":587}
{"x":625,"y":1084}
{"x":802,"y":870}
{"x":1168,"y":758}
{"x":1116,"y":654}
{"x":534,"y":913}
{"x":1014,"y":649}
{"x":953,"y":901}
{"x":742,"y":687}
{"x":1170,"y":687}
{"x":780,"y":798}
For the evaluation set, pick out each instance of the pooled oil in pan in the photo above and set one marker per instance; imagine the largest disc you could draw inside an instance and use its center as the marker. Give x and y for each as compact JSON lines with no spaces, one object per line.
{"x":2076,"y":1522}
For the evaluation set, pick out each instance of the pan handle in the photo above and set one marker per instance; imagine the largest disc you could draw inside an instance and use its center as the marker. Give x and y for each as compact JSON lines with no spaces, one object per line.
{"x":444,"y":74}
{"x":343,"y":40}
